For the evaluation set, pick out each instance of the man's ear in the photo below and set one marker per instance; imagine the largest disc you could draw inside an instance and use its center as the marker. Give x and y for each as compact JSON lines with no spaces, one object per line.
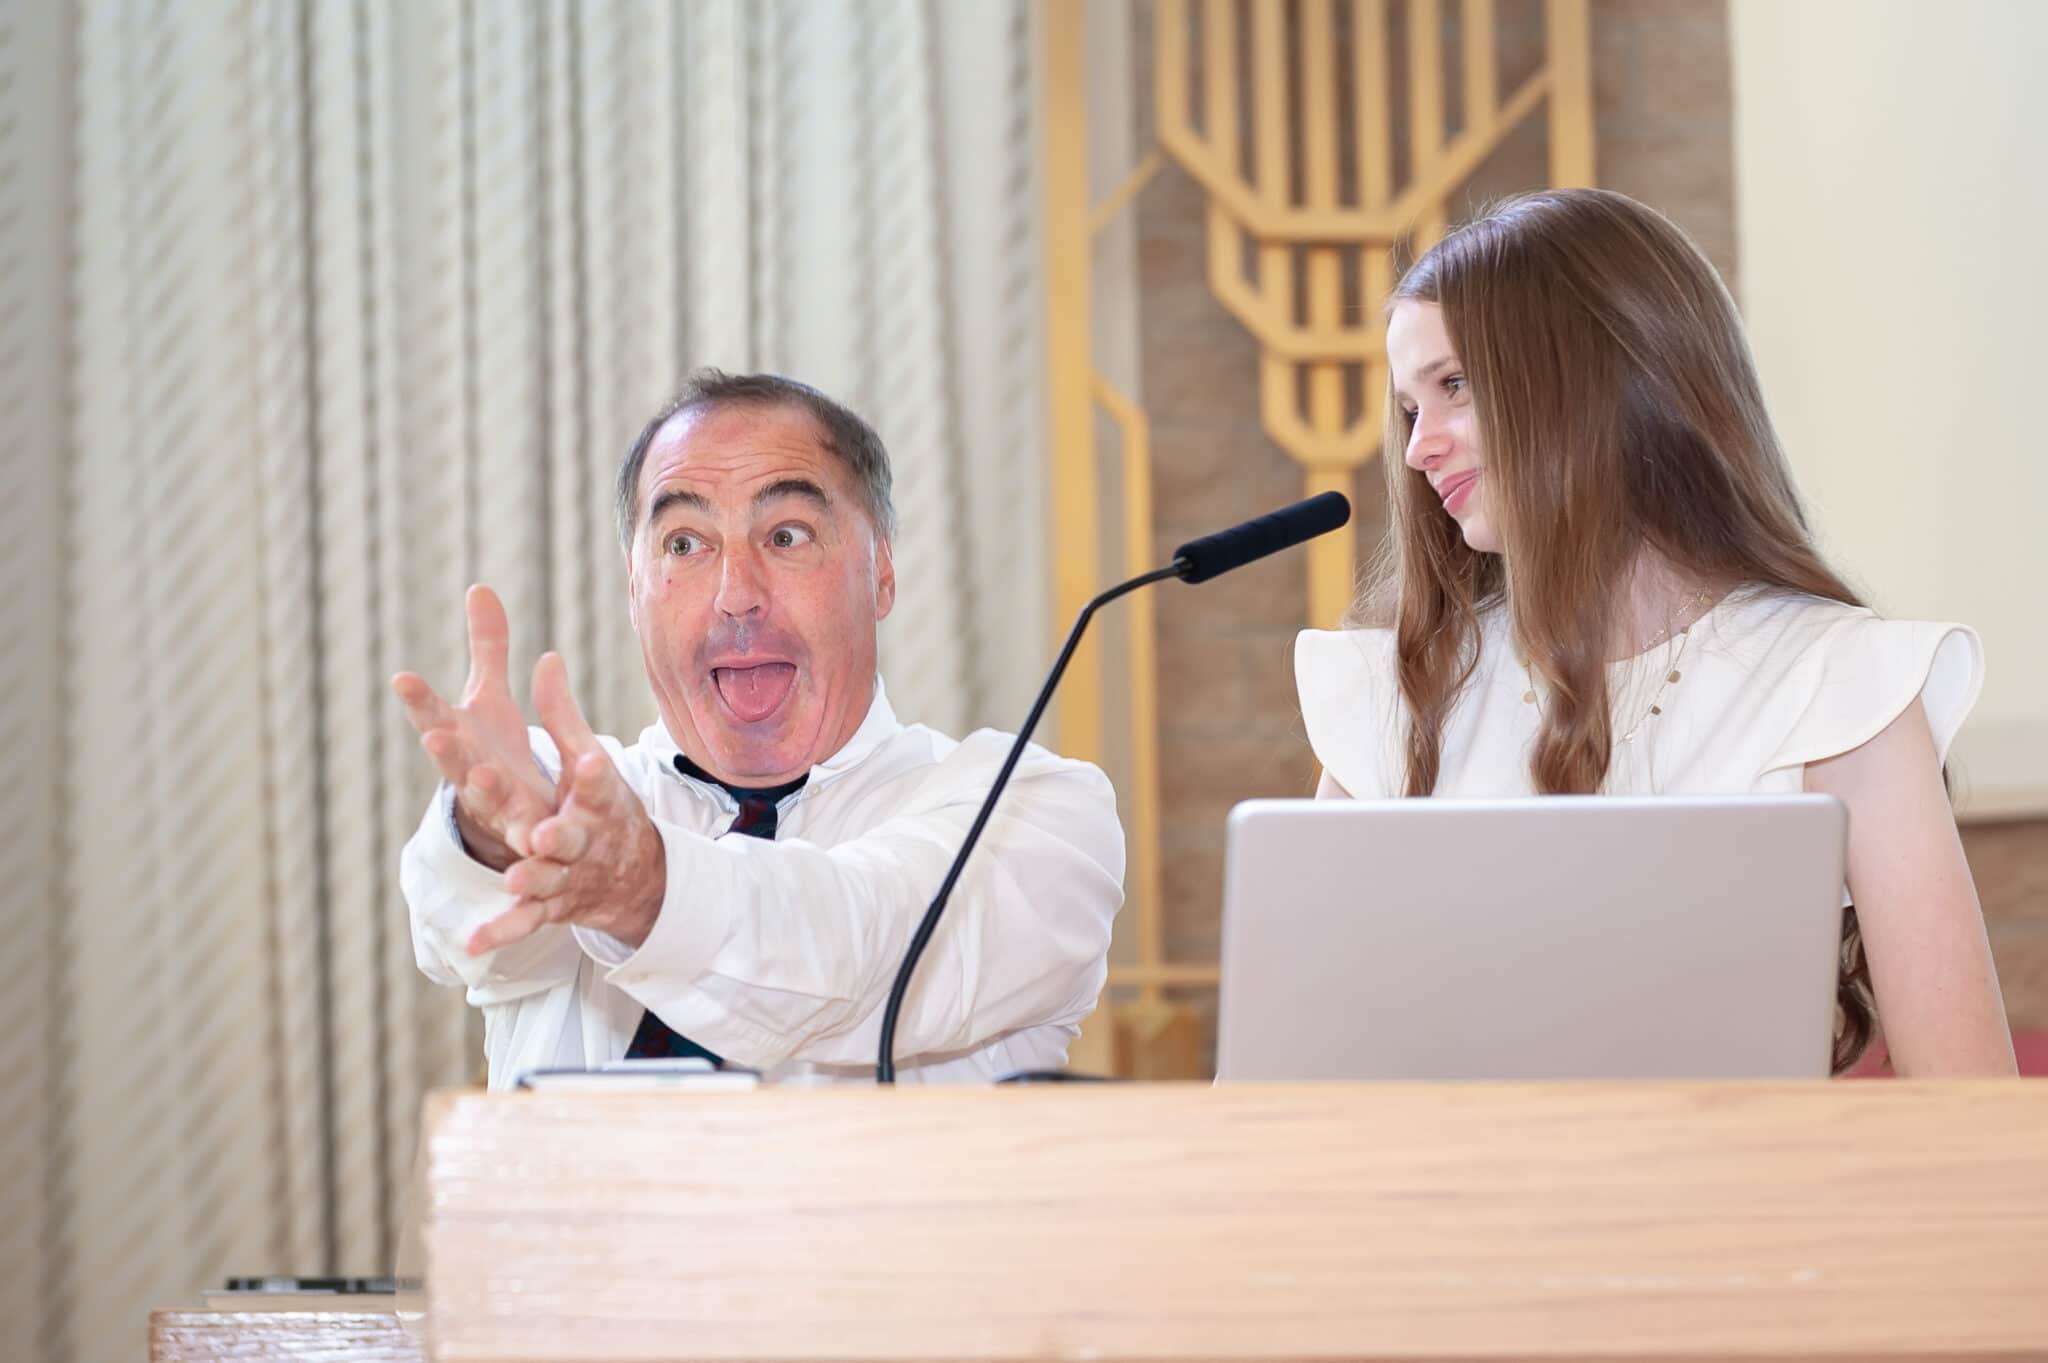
{"x":885,"y":578}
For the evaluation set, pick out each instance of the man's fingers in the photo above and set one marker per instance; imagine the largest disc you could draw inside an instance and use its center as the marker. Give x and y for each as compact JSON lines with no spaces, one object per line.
{"x":519,"y":833}
{"x":558,"y":711}
{"x":590,"y":787}
{"x":523,"y":811}
{"x":537,"y":878}
{"x":499,"y":803}
{"x":483,"y":794}
{"x":423,"y":705}
{"x":490,"y":639}
{"x":451,"y":758}
{"x":561,"y":839}
{"x":489,"y":793}
{"x":516,"y":924}
{"x":595,"y":784}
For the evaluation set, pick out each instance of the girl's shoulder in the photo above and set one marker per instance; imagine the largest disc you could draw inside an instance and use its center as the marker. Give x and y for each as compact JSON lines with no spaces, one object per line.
{"x":1834,"y":675}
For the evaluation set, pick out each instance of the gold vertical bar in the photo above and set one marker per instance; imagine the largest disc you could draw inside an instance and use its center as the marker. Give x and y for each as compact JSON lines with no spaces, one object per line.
{"x":1378,"y":283}
{"x":1069,"y":366}
{"x":1145,"y":761}
{"x":1373,"y":93}
{"x":1482,"y":93}
{"x":1426,"y":110}
{"x":1219,"y":98}
{"x":1425,"y":83}
{"x":1567,"y":34}
{"x":1219,"y":81}
{"x":1319,"y":165}
{"x":1169,"y":63}
{"x":1269,"y":100}
{"x":1332,"y":558}
{"x":1146,"y":893}
{"x":1372,"y":89}
{"x":1319,"y":102}
{"x":1269,"y":150}
{"x":1325,"y":263}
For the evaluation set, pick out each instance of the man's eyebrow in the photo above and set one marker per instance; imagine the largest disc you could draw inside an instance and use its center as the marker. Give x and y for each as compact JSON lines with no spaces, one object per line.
{"x":674,"y":497}
{"x":793,"y":487}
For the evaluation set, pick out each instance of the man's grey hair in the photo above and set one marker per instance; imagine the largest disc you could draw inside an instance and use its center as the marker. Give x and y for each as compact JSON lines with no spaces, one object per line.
{"x":849,"y":439}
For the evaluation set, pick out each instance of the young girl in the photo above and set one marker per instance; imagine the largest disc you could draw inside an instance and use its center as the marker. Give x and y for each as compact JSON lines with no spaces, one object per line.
{"x":1599,"y":579}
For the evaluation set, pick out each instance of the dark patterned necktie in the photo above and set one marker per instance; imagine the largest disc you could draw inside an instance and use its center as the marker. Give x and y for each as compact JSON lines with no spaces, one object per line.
{"x":756,"y":819}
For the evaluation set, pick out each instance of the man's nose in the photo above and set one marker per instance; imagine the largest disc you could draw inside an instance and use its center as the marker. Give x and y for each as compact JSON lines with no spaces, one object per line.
{"x":742,"y":587}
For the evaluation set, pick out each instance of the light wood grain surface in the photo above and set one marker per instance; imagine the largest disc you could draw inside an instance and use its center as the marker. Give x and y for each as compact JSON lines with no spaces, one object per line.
{"x":235,"y":1336}
{"x":1752,"y":1221}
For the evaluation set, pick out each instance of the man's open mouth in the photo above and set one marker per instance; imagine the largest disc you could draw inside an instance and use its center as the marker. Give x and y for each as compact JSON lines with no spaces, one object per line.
{"x":754,"y":693}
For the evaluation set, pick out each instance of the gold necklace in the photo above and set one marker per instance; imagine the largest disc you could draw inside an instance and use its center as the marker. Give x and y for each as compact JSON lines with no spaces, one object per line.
{"x":1671,"y":671}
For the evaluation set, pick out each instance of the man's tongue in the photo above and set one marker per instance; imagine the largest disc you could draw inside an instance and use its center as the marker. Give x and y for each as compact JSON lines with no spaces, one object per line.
{"x":753,"y":693}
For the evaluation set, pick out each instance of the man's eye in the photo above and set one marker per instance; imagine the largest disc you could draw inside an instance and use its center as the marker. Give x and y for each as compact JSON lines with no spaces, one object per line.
{"x":790,"y":536}
{"x":680,"y":545}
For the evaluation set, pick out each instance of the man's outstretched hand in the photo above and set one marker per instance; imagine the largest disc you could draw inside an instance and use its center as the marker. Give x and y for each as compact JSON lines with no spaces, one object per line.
{"x":597,"y":861}
{"x":581,"y":850}
{"x":480,"y":744}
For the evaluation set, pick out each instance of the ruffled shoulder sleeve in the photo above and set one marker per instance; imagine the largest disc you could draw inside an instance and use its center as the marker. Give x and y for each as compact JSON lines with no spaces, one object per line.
{"x":1853,"y":674}
{"x":1351,"y":706}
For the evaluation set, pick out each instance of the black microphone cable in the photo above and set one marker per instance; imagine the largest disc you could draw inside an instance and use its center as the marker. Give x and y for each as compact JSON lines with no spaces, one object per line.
{"x":1196,"y":561}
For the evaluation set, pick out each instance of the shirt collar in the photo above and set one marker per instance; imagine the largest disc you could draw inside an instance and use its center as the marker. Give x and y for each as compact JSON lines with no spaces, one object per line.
{"x":877,"y":728}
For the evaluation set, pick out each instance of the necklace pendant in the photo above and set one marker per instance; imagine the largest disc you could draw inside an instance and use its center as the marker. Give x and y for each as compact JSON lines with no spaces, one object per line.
{"x":1529,"y":697}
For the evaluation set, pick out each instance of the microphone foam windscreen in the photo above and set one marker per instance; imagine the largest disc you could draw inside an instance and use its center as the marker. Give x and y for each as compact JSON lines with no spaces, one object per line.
{"x":1213,"y":555}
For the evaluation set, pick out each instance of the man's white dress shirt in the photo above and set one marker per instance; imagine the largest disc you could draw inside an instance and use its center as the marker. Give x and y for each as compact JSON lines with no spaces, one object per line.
{"x":779,"y":955}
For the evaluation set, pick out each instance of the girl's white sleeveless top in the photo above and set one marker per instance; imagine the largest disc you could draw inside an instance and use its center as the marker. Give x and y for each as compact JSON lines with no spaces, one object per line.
{"x":1768,"y":682}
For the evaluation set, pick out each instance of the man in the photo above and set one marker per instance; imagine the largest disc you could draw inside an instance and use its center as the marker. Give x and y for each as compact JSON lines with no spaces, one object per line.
{"x":743,"y":881}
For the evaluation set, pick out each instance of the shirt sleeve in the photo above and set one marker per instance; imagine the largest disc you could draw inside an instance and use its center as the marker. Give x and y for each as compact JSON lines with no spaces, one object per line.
{"x":771,"y":951}
{"x":1863,"y":672}
{"x":1349,"y":694}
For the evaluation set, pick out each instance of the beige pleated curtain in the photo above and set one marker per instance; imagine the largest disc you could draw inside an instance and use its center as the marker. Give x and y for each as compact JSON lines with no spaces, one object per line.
{"x":314,"y":313}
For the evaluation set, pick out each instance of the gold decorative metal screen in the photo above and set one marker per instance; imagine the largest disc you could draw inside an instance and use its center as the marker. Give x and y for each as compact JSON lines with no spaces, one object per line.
{"x":1325,"y":140}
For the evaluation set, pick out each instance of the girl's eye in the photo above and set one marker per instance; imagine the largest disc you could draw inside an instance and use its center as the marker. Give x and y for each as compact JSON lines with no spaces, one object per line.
{"x":1455,"y":384}
{"x":790,"y":536}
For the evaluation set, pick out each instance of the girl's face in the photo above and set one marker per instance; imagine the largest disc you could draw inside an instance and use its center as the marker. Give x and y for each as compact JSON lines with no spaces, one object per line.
{"x":1443,"y":427}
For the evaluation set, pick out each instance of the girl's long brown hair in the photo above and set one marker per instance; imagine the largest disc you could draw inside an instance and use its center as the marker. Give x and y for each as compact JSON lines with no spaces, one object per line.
{"x":1618,"y":409}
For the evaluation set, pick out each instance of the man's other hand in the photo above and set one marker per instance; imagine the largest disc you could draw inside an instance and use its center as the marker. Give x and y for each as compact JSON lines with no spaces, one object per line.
{"x":598,"y":860}
{"x":480,"y":743}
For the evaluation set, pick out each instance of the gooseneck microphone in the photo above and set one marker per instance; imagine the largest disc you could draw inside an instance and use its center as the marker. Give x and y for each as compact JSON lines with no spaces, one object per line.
{"x":1196,"y":561}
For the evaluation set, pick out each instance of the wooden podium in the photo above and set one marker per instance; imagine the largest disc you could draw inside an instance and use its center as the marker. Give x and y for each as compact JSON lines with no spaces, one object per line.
{"x":1106,"y":1222}
{"x":1845,"y":1220}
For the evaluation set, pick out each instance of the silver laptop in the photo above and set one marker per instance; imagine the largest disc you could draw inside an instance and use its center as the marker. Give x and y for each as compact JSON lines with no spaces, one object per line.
{"x":1564,"y":937}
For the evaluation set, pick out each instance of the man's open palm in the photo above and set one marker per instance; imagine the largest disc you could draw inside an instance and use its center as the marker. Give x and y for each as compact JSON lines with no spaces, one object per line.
{"x":480,"y":743}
